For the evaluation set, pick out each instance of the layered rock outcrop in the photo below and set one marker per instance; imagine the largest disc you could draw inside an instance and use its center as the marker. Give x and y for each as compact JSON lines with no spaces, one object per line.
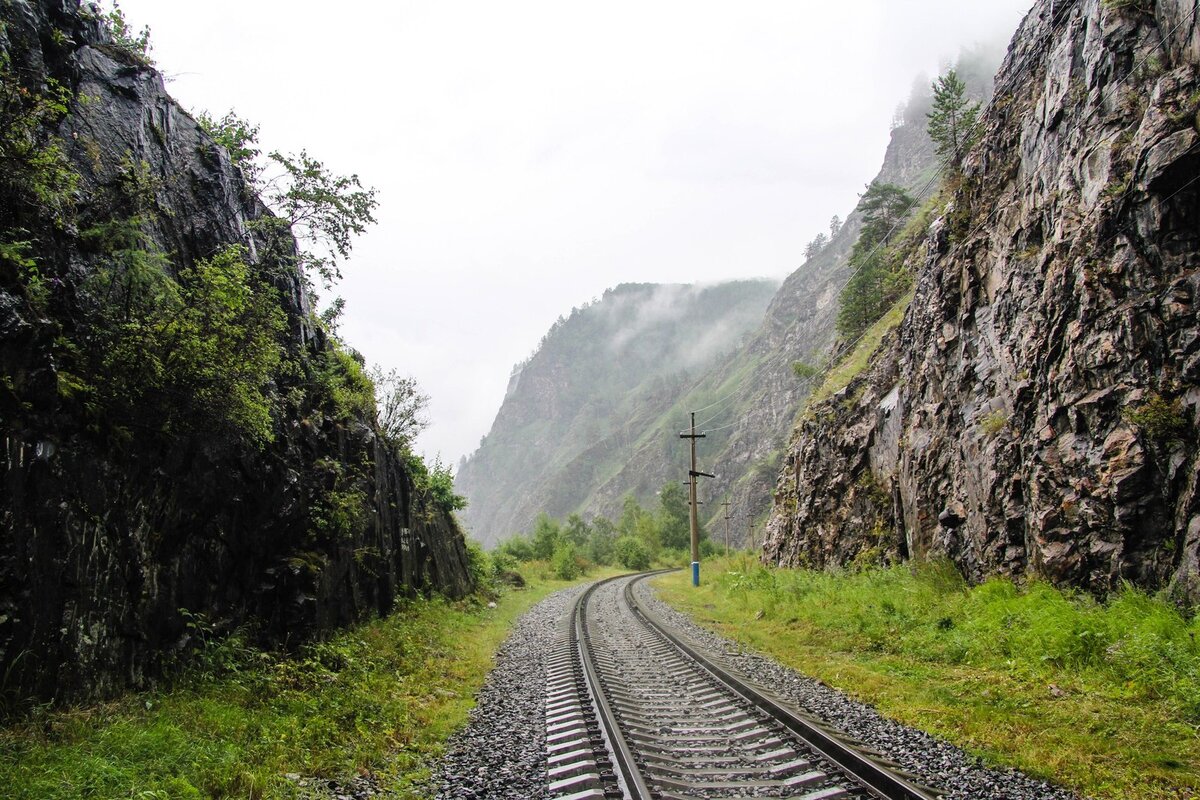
{"x":1036,"y":410}
{"x":118,"y":549}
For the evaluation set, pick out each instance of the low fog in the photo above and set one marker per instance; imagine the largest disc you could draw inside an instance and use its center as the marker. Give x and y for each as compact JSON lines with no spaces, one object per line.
{"x":530,"y":155}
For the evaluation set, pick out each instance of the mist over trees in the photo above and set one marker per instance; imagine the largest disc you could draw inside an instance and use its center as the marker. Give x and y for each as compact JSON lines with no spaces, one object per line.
{"x":639,"y":538}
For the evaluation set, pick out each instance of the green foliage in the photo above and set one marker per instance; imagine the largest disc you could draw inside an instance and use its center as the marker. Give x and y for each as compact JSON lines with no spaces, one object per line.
{"x":345,"y":389}
{"x":565,"y":562}
{"x":178,"y":356}
{"x":480,"y":565}
{"x":1160,"y":419}
{"x":993,"y":422}
{"x":322,"y":210}
{"x":805,"y":371}
{"x":135,"y":45}
{"x":879,"y":277}
{"x":337,"y":510}
{"x":35,"y":176}
{"x":517,"y":547}
{"x":601,"y":541}
{"x":952,"y":120}
{"x":576,"y":531}
{"x":400,"y":405}
{"x":437,"y":480}
{"x":546,"y":536}
{"x":674,"y":518}
{"x":632,"y":553}
{"x":238,"y":137}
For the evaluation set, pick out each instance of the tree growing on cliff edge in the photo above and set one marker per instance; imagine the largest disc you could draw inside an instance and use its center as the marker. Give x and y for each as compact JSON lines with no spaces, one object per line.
{"x":876,"y":282}
{"x":952,"y":119}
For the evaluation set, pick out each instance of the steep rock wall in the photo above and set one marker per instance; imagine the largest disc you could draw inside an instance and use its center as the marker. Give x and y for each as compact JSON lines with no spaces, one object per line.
{"x":1036,"y":410}
{"x":107,"y":553}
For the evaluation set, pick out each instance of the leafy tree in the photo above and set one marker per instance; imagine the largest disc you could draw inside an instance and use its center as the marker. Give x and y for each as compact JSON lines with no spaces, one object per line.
{"x":565,"y":562}
{"x":322,"y":210}
{"x":136,"y":45}
{"x":640,"y":524}
{"x":545,"y":537}
{"x":191,"y":355}
{"x":952,"y":119}
{"x":400,"y":406}
{"x":632,"y":553}
{"x":600,"y":541}
{"x":675,"y":529}
{"x":576,"y":530}
{"x":239,"y":138}
{"x":517,"y":546}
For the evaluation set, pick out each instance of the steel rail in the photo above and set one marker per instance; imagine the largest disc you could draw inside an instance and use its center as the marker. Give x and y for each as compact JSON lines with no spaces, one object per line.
{"x":629,"y":777}
{"x":877,"y":778}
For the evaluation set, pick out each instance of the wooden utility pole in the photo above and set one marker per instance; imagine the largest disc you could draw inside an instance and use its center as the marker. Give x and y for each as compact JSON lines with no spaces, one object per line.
{"x":695,"y":523}
{"x":726,"y":504}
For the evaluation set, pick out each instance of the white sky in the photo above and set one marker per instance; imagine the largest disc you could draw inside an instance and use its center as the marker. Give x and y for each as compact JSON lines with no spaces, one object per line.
{"x":529,"y":155}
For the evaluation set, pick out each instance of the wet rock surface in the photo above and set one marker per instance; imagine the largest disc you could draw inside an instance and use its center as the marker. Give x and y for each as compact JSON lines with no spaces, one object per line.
{"x":1036,"y":410}
{"x":110,"y":531}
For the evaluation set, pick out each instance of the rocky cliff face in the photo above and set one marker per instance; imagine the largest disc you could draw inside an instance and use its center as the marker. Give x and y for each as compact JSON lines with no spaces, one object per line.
{"x":1035,"y":412}
{"x":115,"y":539}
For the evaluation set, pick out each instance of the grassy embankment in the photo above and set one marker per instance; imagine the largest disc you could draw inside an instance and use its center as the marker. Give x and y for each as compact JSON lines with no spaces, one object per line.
{"x":381,"y":698}
{"x":1101,"y":697}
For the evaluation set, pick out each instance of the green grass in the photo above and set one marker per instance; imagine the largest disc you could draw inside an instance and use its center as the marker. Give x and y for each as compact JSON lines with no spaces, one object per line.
{"x":859,"y":358}
{"x":381,"y":698}
{"x":1101,"y":697}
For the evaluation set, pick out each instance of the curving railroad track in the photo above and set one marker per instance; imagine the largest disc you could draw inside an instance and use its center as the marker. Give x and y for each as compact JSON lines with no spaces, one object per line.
{"x":633,"y":711}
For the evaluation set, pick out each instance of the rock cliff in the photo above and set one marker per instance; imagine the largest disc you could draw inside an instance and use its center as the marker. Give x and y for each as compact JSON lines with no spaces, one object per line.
{"x":125,"y":538}
{"x":1036,"y":409}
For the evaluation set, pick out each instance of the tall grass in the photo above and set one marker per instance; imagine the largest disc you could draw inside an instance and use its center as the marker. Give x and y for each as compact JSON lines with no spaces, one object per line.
{"x":1133,"y":645}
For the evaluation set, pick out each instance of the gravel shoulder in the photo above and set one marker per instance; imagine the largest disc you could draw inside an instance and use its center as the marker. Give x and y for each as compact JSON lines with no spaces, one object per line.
{"x":933,"y":761}
{"x":501,"y":753}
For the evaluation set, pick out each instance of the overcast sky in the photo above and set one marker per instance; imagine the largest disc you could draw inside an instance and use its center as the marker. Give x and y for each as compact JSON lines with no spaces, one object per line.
{"x":529,"y":155}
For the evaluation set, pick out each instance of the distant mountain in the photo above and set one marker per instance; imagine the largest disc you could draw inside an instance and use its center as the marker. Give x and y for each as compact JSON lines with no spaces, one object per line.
{"x":573,"y":411}
{"x":747,"y":394}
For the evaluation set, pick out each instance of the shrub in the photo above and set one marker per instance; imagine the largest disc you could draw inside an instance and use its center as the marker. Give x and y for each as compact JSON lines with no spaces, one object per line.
{"x":565,"y":563}
{"x":632,"y":553}
{"x":1160,"y":419}
{"x":517,"y":547}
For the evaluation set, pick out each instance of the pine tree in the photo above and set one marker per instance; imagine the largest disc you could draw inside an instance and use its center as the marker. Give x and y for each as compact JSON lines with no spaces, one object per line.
{"x":952,"y":119}
{"x":873,"y":287}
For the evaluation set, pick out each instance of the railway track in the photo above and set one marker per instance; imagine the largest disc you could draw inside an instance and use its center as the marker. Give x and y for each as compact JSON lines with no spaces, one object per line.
{"x":632,"y":711}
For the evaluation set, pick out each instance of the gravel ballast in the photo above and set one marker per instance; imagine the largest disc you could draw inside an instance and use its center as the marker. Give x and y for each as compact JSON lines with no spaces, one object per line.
{"x":501,"y":753}
{"x":935,"y":762}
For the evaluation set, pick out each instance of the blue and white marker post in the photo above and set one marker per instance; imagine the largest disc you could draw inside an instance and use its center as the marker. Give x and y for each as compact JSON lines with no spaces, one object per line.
{"x":695,"y":475}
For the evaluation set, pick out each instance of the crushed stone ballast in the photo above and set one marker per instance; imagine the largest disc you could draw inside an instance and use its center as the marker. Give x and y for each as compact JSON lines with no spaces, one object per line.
{"x":634,"y":711}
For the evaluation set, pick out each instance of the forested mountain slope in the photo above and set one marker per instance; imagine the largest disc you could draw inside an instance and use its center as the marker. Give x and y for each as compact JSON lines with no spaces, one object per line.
{"x":185,"y":450}
{"x":748,"y":396}
{"x":578,"y":407}
{"x":1036,"y":409}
